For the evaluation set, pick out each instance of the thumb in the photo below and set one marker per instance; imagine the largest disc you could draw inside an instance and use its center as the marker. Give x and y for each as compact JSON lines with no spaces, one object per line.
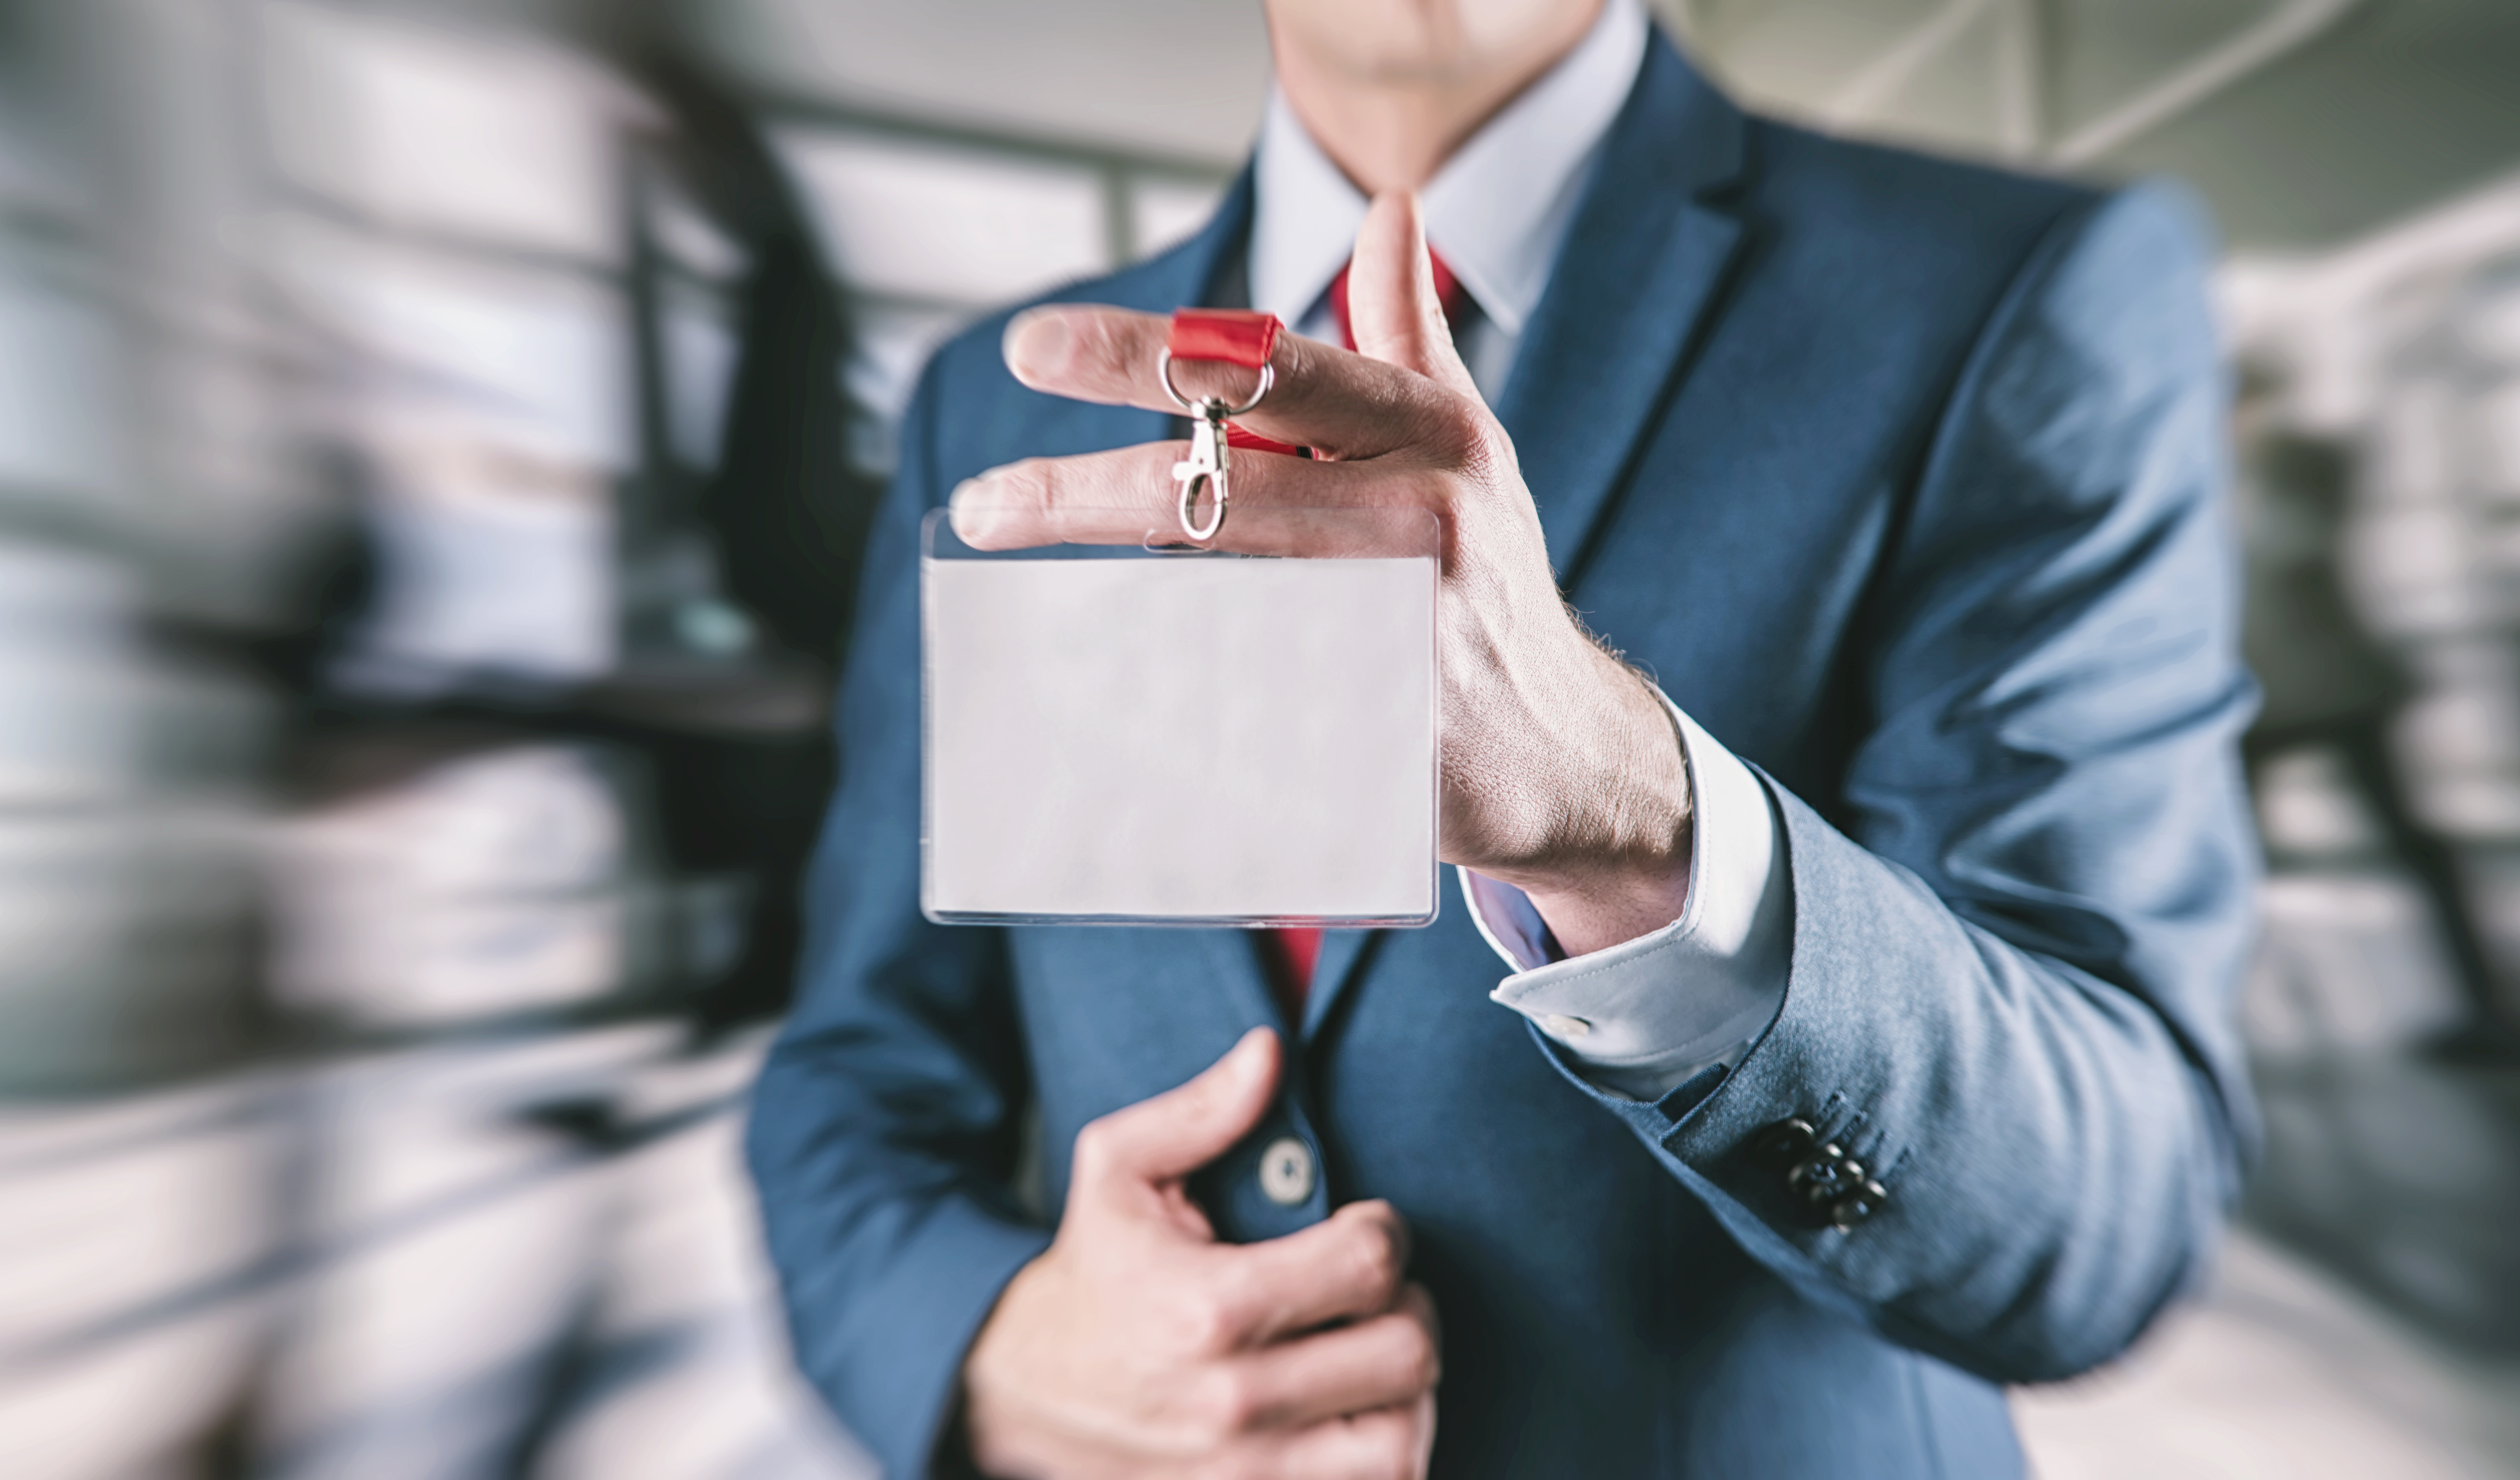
{"x":1392,"y":307}
{"x":1176,"y":1132}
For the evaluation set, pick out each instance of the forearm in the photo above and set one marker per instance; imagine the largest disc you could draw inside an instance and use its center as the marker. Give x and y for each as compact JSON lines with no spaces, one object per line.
{"x":2056,"y":1160}
{"x":2010,"y":992}
{"x":1616,"y":859}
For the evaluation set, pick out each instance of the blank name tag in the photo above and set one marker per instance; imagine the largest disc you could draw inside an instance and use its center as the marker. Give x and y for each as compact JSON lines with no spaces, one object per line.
{"x":1190,"y":739}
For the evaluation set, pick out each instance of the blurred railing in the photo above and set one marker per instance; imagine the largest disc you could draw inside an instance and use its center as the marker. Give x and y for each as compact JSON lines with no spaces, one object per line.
{"x":406,"y":747}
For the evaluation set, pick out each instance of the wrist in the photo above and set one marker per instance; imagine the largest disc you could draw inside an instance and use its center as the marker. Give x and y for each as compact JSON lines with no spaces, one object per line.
{"x":1620,"y":866}
{"x":988,"y":1422}
{"x":1593,"y":913}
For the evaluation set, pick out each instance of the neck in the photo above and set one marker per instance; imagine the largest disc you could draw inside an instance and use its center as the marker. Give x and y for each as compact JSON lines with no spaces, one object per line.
{"x":1392,"y":126}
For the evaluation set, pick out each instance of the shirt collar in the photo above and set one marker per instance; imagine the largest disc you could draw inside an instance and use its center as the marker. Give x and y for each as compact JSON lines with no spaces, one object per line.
{"x":1496,"y":231}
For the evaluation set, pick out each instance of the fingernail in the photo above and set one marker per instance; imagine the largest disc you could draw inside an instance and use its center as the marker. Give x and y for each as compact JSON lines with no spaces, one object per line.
{"x":975,"y":508}
{"x":1036,"y":343}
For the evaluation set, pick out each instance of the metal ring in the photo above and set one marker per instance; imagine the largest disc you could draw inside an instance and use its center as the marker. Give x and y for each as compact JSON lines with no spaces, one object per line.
{"x":1190,"y":502}
{"x":1165,"y":369}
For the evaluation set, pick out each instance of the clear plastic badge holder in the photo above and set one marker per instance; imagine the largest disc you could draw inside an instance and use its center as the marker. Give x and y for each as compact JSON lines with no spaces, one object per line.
{"x":1137,"y":734}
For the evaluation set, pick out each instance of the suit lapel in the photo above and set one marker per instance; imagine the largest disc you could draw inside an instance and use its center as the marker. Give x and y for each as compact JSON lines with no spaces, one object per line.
{"x":1642,"y":261}
{"x":1342,"y":960}
{"x":1233,"y":955}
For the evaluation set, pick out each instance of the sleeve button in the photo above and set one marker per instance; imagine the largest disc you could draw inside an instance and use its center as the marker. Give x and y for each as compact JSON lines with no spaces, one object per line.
{"x":1820,"y":1177}
{"x":1867,"y":1198}
{"x":1787,"y":1142}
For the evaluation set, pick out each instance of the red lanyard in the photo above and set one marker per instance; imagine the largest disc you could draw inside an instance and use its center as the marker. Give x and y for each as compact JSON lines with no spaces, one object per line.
{"x":1233,"y":336}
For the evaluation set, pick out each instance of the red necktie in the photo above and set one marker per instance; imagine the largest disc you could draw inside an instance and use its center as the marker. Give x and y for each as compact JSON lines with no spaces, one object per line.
{"x":1449,"y":292}
{"x":1294,"y":948}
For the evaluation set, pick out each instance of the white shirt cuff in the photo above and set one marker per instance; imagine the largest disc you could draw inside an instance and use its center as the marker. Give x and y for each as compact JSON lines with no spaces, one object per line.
{"x":1645,"y":1016}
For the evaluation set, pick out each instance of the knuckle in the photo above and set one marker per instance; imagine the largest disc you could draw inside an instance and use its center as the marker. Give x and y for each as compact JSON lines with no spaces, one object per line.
{"x":1091,"y":1157}
{"x":1440,"y":423}
{"x":1390,"y":1446}
{"x":1425,"y":1362}
{"x":1228,"y":1403}
{"x":1426,"y":487}
{"x":1481,"y":446}
{"x":1377,"y":1251}
{"x":1101,"y":347}
{"x":1238,"y":1294}
{"x":1421,"y":1313}
{"x":1207,"y":1320}
{"x":1044,"y":479}
{"x":1398,"y":1457}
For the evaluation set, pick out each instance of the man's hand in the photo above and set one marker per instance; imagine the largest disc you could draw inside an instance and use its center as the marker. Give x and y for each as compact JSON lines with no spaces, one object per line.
{"x":1137,"y":1345}
{"x":1562,"y":774}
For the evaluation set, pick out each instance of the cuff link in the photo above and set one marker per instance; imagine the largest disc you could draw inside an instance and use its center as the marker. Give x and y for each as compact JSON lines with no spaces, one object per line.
{"x":1828,"y":1187}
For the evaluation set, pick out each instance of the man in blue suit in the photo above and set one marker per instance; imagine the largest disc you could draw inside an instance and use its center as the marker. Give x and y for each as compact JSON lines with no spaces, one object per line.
{"x":1836,"y":1022}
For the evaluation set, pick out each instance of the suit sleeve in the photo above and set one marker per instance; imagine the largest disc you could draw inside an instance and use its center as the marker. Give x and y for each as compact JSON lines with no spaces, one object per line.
{"x":883,"y":1134}
{"x":2014,"y":951}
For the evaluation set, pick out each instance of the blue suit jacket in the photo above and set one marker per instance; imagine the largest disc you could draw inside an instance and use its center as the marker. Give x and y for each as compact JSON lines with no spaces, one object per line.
{"x":1902,"y":477}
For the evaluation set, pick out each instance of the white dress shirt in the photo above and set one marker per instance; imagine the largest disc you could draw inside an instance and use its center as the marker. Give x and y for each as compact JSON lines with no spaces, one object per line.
{"x":1645,"y":1016}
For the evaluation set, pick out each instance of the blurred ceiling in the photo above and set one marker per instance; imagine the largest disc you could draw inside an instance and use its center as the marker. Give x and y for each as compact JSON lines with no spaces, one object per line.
{"x":1171,"y":78}
{"x":2305,"y":122}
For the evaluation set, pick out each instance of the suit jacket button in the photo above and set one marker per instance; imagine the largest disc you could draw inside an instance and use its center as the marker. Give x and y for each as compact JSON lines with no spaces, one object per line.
{"x":1286,"y":1172}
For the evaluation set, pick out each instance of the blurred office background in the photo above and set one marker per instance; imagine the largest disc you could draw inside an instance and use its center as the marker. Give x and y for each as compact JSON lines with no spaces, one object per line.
{"x":434,"y":440}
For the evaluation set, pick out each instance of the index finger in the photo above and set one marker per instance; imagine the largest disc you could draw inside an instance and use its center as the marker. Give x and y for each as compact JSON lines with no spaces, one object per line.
{"x":1341,"y":403}
{"x":1129,"y":495}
